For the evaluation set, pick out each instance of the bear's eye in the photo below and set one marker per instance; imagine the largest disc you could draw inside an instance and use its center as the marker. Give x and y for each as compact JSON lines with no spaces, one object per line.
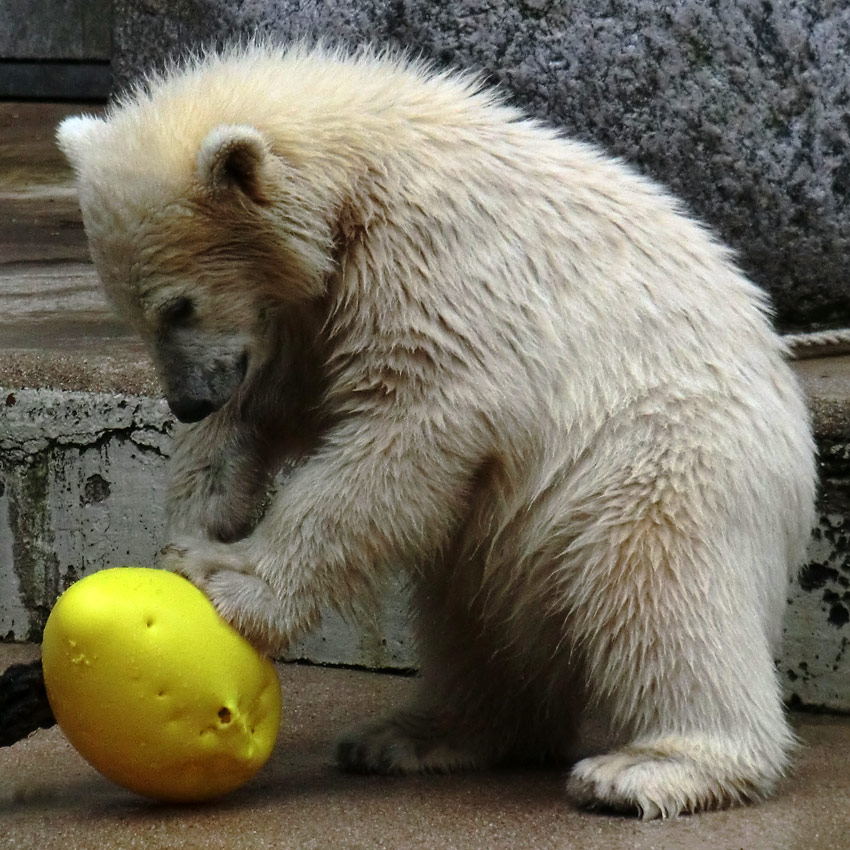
{"x":177,"y":311}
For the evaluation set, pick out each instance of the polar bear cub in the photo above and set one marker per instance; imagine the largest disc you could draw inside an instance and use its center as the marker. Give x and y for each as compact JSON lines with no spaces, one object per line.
{"x":507,"y":365}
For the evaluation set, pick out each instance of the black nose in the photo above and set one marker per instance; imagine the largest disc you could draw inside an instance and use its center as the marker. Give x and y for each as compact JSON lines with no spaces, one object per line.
{"x":191,"y":409}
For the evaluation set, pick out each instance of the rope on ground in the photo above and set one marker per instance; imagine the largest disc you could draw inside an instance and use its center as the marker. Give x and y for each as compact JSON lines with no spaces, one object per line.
{"x":805,"y":346}
{"x":23,"y":703}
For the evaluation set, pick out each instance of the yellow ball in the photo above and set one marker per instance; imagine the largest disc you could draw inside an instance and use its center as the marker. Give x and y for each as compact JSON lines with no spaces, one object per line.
{"x":154,"y":689}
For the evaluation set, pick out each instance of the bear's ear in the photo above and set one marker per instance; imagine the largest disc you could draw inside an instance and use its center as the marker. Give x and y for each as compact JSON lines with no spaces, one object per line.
{"x":76,"y":134}
{"x":234,"y":158}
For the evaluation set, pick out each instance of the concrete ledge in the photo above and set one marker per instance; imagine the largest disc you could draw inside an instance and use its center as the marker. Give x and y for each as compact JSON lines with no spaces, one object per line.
{"x":80,"y":483}
{"x":826,"y":381}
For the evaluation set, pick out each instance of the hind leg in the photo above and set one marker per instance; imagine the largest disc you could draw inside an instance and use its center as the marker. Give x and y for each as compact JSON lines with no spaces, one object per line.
{"x":674,"y":583}
{"x":677,"y":651}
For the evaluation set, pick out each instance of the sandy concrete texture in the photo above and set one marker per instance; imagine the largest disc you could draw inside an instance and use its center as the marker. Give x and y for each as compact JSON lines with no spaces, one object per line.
{"x":51,"y":799}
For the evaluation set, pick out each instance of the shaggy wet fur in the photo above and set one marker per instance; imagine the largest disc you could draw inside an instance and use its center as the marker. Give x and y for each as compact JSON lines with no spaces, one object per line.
{"x":509,"y":366}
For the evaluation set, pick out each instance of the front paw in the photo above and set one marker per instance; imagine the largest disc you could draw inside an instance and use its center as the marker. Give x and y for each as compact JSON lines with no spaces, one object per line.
{"x":225,"y":574}
{"x":405,"y":743}
{"x":666,"y":777}
{"x":197,"y":558}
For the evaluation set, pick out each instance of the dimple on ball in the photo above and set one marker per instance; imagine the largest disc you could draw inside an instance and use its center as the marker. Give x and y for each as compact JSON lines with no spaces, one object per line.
{"x":154,"y":689}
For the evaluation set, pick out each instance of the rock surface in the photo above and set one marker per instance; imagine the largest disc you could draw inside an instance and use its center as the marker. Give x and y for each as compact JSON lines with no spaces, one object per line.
{"x":739,"y":106}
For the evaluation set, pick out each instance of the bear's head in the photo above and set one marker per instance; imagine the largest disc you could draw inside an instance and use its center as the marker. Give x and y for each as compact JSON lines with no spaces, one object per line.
{"x":205,"y":241}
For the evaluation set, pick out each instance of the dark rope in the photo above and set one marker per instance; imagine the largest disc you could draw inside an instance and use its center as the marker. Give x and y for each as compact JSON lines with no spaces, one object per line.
{"x":23,"y":703}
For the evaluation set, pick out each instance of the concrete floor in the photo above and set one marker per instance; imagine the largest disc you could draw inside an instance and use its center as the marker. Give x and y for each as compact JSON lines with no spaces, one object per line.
{"x":50,"y":798}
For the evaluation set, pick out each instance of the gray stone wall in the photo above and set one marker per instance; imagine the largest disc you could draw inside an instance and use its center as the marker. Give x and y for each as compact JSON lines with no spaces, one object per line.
{"x":56,"y":29}
{"x":55,"y":49}
{"x":82,"y":487}
{"x":739,"y":106}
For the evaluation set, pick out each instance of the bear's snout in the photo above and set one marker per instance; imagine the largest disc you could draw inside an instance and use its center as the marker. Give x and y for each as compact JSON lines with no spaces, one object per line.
{"x":200,"y":378}
{"x":191,"y":409}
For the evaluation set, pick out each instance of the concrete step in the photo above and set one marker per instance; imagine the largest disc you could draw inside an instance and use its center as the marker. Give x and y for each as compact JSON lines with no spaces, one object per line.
{"x":84,"y":438}
{"x":56,"y":330}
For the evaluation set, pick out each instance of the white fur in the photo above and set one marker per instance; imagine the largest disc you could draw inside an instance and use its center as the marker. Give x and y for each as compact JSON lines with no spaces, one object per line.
{"x":76,"y":134}
{"x":510,"y":366}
